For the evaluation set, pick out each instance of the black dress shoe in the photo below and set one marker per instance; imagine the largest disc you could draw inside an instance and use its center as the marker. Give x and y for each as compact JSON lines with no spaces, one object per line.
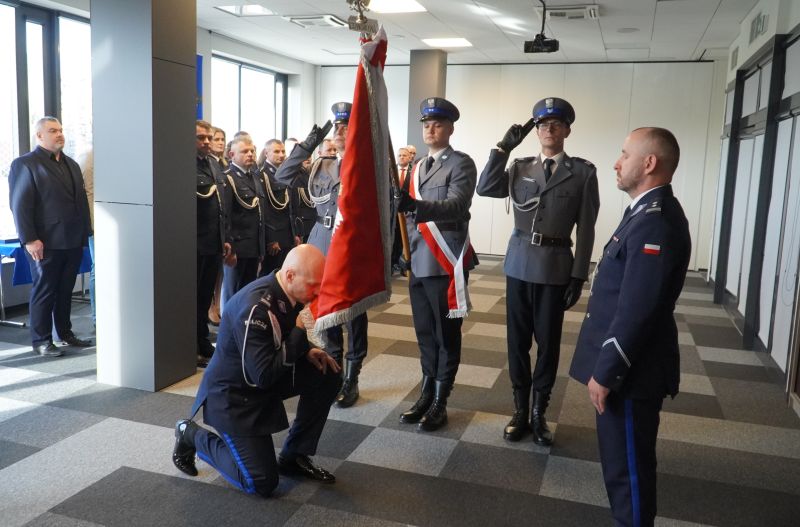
{"x":48,"y":349}
{"x":184,"y":451}
{"x":202,"y":361}
{"x":303,"y":466}
{"x":72,"y":340}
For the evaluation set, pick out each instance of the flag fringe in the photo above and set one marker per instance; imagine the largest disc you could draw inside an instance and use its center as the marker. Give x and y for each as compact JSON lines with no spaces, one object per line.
{"x":343,"y":316}
{"x":458,"y":313}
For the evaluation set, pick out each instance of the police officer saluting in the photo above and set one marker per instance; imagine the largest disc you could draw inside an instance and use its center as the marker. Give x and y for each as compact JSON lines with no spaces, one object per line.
{"x":627,"y":351}
{"x":551,"y":193}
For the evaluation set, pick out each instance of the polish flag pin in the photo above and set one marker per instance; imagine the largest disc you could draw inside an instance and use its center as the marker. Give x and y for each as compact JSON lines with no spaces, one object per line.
{"x":651,"y":249}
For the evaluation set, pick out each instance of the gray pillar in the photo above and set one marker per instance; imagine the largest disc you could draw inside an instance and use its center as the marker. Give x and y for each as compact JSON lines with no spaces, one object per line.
{"x":427,"y":77}
{"x":143,"y":82}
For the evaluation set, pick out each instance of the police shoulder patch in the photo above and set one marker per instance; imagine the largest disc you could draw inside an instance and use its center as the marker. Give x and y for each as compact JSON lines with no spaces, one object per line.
{"x":653,"y":207}
{"x":531,"y":159}
{"x":584,"y":161}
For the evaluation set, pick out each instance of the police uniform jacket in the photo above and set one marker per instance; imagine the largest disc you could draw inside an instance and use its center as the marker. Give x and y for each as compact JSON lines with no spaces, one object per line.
{"x":568,"y":200}
{"x":445,"y":195}
{"x":305,"y":213}
{"x":629,"y":340}
{"x":277,"y":209}
{"x":214,"y":202}
{"x":46,"y":205}
{"x":323,"y":185}
{"x":258,"y":343}
{"x":247,"y":229}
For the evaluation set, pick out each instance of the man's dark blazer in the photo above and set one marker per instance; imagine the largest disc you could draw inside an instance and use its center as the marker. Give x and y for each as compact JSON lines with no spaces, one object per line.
{"x":45,"y":206}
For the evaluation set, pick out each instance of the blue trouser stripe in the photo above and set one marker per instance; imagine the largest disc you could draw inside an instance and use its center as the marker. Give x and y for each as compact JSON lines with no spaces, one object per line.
{"x":250,"y":488}
{"x":632,"y":469}
{"x":228,"y":478}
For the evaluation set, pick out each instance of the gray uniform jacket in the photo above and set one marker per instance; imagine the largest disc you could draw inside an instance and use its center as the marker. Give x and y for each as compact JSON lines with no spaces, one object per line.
{"x":445,"y":195}
{"x":324,"y":180}
{"x":570,"y":199}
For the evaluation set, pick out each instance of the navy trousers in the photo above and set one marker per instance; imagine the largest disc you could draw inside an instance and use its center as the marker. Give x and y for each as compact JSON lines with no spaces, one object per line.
{"x":626,"y":434}
{"x":51,"y":293}
{"x":356,"y":341}
{"x":238,"y":276}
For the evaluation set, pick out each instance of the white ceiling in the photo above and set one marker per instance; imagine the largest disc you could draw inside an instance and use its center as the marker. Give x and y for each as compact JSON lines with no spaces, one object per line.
{"x":652,"y":30}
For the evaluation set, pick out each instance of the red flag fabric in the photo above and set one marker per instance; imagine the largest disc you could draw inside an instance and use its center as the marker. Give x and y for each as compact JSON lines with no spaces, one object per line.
{"x":357,"y":270}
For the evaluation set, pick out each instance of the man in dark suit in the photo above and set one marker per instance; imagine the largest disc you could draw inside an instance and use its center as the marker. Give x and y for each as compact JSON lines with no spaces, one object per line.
{"x":441,"y":190}
{"x":247,"y":225}
{"x":51,"y":211}
{"x":552,"y":194}
{"x":263,"y":357}
{"x":404,"y":164}
{"x":627,"y":351}
{"x":278,"y":209}
{"x":214,"y":202}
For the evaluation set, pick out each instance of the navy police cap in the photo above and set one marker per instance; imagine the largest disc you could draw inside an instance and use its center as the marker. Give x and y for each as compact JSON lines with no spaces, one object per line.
{"x":438,"y":108}
{"x":341,"y":112}
{"x":554,"y":107}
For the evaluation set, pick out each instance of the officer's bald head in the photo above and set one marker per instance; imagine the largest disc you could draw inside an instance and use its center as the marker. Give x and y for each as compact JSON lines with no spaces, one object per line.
{"x":301,"y":273}
{"x":661,"y":143}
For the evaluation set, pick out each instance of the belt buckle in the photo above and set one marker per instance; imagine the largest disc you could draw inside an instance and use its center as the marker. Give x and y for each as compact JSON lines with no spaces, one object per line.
{"x":536,"y":239}
{"x":327,"y":221}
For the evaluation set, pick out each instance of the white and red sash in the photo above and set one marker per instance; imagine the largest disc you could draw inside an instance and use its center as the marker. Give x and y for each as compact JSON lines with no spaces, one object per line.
{"x":457,"y":293}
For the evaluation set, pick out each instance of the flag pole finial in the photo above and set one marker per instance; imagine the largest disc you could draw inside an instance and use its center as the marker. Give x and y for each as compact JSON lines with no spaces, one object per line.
{"x":361,"y":23}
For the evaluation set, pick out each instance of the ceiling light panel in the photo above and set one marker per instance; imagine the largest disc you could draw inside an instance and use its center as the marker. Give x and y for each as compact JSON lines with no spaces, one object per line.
{"x":396,"y":6}
{"x":245,"y":10}
{"x":447,"y":42}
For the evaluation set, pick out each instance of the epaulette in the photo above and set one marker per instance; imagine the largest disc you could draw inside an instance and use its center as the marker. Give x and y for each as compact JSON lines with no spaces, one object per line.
{"x":459,"y":152}
{"x":585,"y":161}
{"x":227,"y":171}
{"x":653,"y":206}
{"x":526,"y":159}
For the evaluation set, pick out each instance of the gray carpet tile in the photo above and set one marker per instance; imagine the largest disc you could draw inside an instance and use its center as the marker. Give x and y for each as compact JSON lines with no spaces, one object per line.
{"x":694,"y":404}
{"x":457,"y":421}
{"x":308,"y":515}
{"x":11,"y":452}
{"x":339,"y":438}
{"x":724,"y":337}
{"x":754,"y":402}
{"x":74,"y":363}
{"x":49,"y":519}
{"x":739,"y":372}
{"x":44,"y":425}
{"x":497,"y":467}
{"x":576,"y":442}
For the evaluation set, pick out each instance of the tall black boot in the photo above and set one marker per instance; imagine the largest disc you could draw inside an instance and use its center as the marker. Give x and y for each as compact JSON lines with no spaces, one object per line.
{"x":518,"y":426}
{"x":436,"y":416}
{"x":348,"y":395}
{"x":541,"y":434}
{"x":415,"y":413}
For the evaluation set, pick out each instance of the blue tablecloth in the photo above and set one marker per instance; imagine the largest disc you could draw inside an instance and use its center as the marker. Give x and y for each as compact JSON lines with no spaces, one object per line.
{"x":22,"y":270}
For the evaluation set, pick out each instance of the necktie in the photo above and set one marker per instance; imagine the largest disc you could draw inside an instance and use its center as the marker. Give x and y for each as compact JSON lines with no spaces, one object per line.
{"x":402,"y":176}
{"x":627,"y":211}
{"x":548,"y":169}
{"x":429,"y":164}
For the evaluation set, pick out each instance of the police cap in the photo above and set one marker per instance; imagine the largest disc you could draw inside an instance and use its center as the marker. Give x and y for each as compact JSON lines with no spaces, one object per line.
{"x":341,"y":112}
{"x":554,"y":107}
{"x":438,"y":108}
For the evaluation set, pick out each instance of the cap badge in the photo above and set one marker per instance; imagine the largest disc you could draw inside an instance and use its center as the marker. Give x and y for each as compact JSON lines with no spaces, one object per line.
{"x":548,"y":103}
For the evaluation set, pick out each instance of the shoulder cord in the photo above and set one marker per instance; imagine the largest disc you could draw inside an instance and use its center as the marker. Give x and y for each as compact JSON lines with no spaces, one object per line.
{"x":277,"y":205}
{"x":209,"y":193}
{"x":317,"y":200}
{"x":304,"y":197}
{"x":527,"y":206}
{"x":244,"y":204}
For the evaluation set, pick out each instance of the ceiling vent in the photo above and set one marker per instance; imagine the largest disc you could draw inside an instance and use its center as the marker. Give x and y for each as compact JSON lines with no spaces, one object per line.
{"x":317,"y":21}
{"x":578,"y":12}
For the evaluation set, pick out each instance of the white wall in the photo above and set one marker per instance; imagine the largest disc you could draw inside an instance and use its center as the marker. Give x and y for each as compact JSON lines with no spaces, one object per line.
{"x":687,"y":98}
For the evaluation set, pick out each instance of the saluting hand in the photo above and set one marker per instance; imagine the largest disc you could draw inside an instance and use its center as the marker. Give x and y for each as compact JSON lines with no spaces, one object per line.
{"x":322,"y":361}
{"x":515,"y":135}
{"x":316,"y":136}
{"x":35,"y":249}
{"x":598,"y":395}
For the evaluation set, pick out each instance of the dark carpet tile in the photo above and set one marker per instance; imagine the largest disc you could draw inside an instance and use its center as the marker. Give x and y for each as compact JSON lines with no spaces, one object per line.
{"x":160,"y":408}
{"x":129,"y":498}
{"x":754,"y":402}
{"x":75,"y":362}
{"x":759,"y":471}
{"x":493,"y":276}
{"x":49,"y":519}
{"x":690,"y":302}
{"x":691,"y":361}
{"x":715,"y":336}
{"x":696,"y":281}
{"x":575,"y":442}
{"x":11,"y":452}
{"x":486,"y":291}
{"x":504,"y":468}
{"x":694,"y":404}
{"x":741,"y":372}
{"x":388,"y":494}
{"x":712,"y":503}
{"x":338,"y":440}
{"x":482,"y":342}
{"x":474,"y":357}
{"x":699,"y":320}
{"x":393,"y":319}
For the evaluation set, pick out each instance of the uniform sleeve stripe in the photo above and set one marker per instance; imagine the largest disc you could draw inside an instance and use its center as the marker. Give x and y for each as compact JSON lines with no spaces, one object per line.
{"x":613,"y":340}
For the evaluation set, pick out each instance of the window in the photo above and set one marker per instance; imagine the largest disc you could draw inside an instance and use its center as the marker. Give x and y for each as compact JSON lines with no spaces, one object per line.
{"x":75,"y":51}
{"x":248,"y":98}
{"x":9,"y":129}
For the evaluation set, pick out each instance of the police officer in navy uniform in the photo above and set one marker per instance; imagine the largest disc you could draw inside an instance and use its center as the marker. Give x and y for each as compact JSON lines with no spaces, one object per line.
{"x":323,"y":189}
{"x":278,"y":210}
{"x":552,"y":194}
{"x":440,"y":193}
{"x":263,"y":357}
{"x":627,"y":351}
{"x":247,"y":224}
{"x":214,"y":202}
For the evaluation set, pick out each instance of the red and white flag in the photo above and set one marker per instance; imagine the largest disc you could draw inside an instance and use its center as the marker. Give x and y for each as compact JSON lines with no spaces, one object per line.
{"x":357,"y":270}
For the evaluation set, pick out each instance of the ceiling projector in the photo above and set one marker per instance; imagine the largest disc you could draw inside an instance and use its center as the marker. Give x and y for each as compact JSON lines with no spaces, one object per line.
{"x":540,"y":44}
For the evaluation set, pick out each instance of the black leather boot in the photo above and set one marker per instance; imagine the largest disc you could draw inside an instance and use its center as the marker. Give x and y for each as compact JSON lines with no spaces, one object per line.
{"x":348,"y":395}
{"x":415,"y":413}
{"x":436,"y":416}
{"x":541,"y":434}
{"x":518,"y":426}
{"x":184,"y":451}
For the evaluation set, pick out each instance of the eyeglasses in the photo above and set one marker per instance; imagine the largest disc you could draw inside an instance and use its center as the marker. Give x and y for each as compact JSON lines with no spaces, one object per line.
{"x":550,"y":125}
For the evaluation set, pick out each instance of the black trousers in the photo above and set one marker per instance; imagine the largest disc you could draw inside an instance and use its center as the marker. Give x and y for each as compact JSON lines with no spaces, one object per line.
{"x":356,"y":341}
{"x":533,"y":311}
{"x":238,"y":276}
{"x":438,"y":336}
{"x":626,"y":435}
{"x":51,"y":293}
{"x":248,"y":462}
{"x":273,"y":261}
{"x":207,"y":270}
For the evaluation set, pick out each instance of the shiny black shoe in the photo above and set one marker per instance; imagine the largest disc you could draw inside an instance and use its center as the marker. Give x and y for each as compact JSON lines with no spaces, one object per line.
{"x":541,"y":432}
{"x":518,"y":426}
{"x":183,"y":453}
{"x":348,"y":395}
{"x":48,"y":349}
{"x":415,"y":413}
{"x":436,"y":416}
{"x":303,"y":466}
{"x":72,"y":340}
{"x":202,"y":361}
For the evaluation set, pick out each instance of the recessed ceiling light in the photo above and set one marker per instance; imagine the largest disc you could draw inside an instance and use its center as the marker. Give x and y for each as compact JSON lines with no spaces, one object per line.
{"x":628,"y":30}
{"x":396,"y":6}
{"x":245,"y":10}
{"x":447,"y":42}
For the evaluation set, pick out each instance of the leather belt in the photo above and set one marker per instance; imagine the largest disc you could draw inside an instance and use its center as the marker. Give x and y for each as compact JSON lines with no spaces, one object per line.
{"x":325,"y":221}
{"x":538,"y":239}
